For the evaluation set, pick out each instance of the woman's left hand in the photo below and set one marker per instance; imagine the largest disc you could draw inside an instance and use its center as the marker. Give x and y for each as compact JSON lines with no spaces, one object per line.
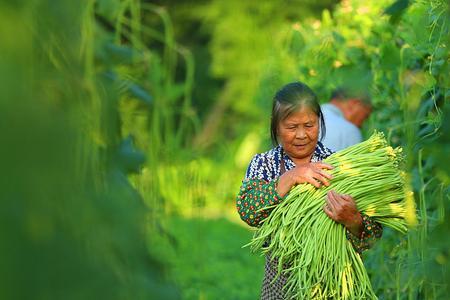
{"x":342,"y":209}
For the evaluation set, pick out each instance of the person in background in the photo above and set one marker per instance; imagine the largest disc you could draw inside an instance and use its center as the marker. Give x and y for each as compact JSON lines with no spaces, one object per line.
{"x":344,"y":116}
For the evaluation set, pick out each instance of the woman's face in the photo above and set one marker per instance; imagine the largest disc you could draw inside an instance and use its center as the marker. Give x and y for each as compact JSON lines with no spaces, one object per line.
{"x":298,"y":134}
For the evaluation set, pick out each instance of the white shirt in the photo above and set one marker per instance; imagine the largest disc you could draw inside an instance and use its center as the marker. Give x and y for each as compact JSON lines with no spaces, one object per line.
{"x":340,"y":133}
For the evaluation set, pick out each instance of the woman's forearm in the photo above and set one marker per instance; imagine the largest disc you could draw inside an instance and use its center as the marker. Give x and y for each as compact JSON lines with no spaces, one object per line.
{"x":253,"y":197}
{"x":356,"y":226}
{"x":371,"y":232}
{"x":285,"y":183}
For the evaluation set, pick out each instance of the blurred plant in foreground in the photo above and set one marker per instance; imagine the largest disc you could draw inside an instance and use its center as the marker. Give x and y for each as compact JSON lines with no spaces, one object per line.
{"x":72,"y":226}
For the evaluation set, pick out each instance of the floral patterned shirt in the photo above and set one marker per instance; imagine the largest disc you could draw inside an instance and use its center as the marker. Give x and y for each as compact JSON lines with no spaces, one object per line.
{"x":258,"y":190}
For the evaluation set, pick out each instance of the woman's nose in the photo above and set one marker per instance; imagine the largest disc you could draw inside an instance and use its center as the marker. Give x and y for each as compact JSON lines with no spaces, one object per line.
{"x":300,"y":133}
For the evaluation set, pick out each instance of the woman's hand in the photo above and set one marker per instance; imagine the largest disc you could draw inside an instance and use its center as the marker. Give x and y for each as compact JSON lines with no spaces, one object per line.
{"x":342,"y":209}
{"x":312,"y":173}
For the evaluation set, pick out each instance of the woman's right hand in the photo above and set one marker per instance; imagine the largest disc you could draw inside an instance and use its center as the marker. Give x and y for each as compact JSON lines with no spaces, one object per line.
{"x":312,"y":173}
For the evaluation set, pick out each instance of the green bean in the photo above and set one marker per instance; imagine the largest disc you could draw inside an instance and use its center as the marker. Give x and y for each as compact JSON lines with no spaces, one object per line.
{"x":322,"y":263}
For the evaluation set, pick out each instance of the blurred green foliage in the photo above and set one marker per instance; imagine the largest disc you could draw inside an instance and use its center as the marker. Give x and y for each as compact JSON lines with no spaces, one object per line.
{"x":208,"y":261}
{"x":127,"y":127}
{"x":72,"y":225}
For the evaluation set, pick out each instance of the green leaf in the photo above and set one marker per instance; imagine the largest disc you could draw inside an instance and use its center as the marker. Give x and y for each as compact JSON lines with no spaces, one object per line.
{"x":390,"y":56}
{"x":396,"y":9}
{"x":133,"y":89}
{"x":110,"y":53}
{"x":108,"y":9}
{"x":127,"y":157}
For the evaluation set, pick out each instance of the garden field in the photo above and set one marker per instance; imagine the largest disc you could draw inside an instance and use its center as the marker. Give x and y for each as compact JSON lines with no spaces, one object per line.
{"x":127,"y":127}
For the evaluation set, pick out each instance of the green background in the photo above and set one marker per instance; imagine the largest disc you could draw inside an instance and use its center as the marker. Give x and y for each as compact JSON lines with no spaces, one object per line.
{"x":127,"y":127}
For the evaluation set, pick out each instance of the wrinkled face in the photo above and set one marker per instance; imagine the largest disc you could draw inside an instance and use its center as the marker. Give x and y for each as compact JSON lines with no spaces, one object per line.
{"x":298,"y":134}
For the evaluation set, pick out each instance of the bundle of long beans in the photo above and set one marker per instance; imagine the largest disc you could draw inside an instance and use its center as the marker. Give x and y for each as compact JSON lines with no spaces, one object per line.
{"x":311,"y":249}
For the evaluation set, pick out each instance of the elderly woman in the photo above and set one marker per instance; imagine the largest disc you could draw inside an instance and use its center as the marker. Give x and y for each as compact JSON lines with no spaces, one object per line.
{"x":295,"y":125}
